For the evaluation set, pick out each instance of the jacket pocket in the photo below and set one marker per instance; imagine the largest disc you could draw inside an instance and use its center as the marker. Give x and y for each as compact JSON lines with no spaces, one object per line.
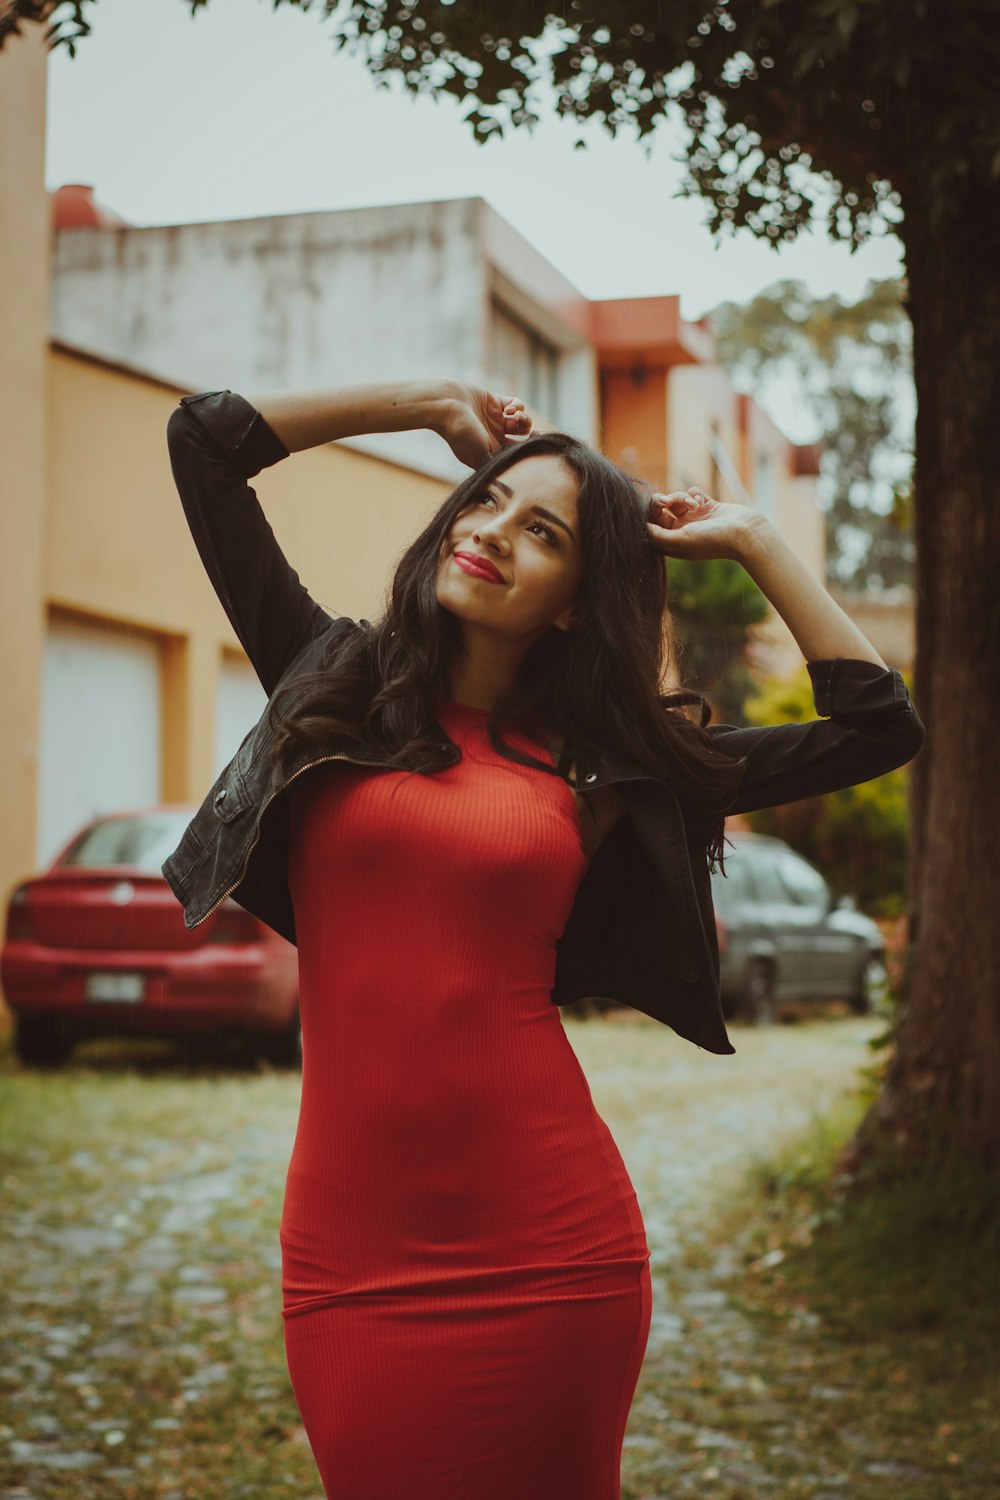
{"x":178,"y":868}
{"x":231,"y":794}
{"x":230,"y":798}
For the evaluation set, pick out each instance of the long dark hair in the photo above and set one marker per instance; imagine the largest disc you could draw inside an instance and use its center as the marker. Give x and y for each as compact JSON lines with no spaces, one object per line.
{"x":598,"y":686}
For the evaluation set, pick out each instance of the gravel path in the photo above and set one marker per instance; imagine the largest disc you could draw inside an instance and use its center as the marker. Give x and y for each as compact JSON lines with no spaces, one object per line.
{"x":688,"y":1125}
{"x":141,"y":1341}
{"x":688,"y":1122}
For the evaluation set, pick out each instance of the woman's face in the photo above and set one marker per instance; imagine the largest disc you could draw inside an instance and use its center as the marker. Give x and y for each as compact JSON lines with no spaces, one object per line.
{"x":538,"y":556}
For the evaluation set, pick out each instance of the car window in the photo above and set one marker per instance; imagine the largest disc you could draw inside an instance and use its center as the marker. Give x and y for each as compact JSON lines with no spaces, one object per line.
{"x":143,"y":843}
{"x":805,"y":885}
{"x":737,"y":883}
{"x":768,"y":883}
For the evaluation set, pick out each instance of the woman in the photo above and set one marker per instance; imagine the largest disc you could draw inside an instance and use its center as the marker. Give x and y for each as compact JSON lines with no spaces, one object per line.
{"x":465,"y":1273}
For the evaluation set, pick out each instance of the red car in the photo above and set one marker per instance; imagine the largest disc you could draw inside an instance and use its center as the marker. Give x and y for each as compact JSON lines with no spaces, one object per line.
{"x":96,"y":946}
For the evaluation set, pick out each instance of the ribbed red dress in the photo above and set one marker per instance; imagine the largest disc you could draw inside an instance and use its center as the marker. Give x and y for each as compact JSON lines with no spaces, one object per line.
{"x":465,"y":1273}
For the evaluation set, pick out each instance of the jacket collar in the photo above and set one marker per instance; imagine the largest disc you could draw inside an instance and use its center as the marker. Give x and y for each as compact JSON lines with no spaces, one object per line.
{"x":594,"y":768}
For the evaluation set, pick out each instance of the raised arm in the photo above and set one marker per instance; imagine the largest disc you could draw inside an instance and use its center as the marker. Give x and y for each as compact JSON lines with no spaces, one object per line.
{"x":821,"y":628}
{"x":217,"y":441}
{"x":473,"y":421}
{"x":304,"y":419}
{"x":868,"y":725}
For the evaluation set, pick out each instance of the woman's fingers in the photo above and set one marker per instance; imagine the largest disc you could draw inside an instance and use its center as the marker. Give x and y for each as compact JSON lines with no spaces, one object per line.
{"x":517,"y":423}
{"x":687,"y":498}
{"x":675,"y":498}
{"x":670,"y":513}
{"x":676,"y":507}
{"x":670,"y":510}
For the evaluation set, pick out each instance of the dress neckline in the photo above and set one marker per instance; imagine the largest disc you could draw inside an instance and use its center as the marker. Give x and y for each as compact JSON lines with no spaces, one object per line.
{"x":463,"y":708}
{"x":448,"y":706}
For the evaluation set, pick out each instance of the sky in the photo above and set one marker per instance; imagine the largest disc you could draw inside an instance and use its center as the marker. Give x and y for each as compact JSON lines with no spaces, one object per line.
{"x":240,"y":111}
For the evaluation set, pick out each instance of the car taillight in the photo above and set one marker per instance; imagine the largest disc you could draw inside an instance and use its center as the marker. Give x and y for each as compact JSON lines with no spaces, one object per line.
{"x":720,"y":928}
{"x":18,"y":916}
{"x":232,"y":924}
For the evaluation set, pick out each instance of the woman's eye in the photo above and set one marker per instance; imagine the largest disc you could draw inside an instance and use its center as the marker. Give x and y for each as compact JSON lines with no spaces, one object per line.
{"x":479,"y":500}
{"x":548,"y":531}
{"x":550,"y":534}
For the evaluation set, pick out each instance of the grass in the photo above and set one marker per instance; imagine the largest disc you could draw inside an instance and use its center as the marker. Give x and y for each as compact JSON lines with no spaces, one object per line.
{"x":892,"y":1299}
{"x":810,"y":1345}
{"x":143,"y":1341}
{"x":920,"y":1254}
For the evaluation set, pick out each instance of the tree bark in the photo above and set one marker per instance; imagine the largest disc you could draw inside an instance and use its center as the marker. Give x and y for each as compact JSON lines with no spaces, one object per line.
{"x":942,"y":1085}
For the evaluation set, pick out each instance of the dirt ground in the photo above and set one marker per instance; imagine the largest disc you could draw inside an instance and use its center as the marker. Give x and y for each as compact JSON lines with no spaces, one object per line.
{"x":142,"y":1356}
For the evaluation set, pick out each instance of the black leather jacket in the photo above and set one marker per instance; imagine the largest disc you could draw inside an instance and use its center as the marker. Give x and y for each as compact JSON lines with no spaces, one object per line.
{"x":642,"y":927}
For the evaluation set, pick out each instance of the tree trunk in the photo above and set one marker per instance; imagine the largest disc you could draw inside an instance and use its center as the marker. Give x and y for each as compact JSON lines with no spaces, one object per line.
{"x":942,"y":1085}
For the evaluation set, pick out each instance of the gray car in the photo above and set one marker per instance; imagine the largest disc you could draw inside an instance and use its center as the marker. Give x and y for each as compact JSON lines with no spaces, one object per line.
{"x":784,"y":935}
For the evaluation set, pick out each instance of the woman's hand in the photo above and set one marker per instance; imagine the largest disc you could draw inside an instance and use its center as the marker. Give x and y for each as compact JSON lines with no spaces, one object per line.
{"x":691,"y":524}
{"x":475,"y":422}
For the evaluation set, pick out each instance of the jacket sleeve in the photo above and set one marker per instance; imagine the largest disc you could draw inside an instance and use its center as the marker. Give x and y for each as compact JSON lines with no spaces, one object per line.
{"x":217,"y":441}
{"x":868,"y":726}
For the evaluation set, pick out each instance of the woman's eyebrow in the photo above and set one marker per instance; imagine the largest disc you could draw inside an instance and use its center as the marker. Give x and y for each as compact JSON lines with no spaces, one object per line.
{"x":537,"y":510}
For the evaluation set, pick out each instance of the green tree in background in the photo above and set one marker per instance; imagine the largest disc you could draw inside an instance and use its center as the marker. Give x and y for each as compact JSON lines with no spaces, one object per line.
{"x":714,"y":605}
{"x":857,"y":836}
{"x":850,"y":365}
{"x":871,"y":117}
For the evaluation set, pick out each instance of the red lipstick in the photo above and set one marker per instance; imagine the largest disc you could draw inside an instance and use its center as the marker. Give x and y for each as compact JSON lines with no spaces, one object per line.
{"x":478,"y":567}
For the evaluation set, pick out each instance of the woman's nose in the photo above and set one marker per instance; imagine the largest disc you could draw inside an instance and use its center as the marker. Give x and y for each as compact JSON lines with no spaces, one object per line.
{"x":492,"y":536}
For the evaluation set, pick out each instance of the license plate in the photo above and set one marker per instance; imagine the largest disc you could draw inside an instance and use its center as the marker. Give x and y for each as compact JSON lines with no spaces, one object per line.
{"x":115,"y":986}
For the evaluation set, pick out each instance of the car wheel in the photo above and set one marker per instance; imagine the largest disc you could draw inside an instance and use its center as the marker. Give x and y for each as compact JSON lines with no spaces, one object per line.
{"x":757,"y":1003}
{"x":42,"y":1042}
{"x":283,"y":1048}
{"x":870,"y":989}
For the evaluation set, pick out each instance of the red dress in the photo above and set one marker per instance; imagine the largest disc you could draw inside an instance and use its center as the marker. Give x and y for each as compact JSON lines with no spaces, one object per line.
{"x":465,"y":1273}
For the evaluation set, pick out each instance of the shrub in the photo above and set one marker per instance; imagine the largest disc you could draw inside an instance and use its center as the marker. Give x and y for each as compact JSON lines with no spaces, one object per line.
{"x":858,"y":836}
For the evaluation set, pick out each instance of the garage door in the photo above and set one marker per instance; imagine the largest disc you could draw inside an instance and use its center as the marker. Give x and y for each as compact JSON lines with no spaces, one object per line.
{"x":239,"y":703}
{"x":100,"y":729}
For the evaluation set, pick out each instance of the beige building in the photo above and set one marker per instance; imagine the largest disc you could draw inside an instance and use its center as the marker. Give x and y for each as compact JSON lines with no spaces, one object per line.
{"x":25,"y":250}
{"x":124,"y":683}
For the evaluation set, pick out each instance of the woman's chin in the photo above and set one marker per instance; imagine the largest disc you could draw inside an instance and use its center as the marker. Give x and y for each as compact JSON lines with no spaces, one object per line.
{"x":462,"y":602}
{"x":471,"y":612}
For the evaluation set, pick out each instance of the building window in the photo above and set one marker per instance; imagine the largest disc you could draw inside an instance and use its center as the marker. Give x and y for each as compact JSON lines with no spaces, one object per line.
{"x":523,"y":363}
{"x":764,"y":488}
{"x":724,"y":471}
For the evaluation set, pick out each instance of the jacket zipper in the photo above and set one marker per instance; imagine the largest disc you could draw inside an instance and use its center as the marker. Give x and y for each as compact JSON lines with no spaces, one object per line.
{"x":256,"y":834}
{"x":323,"y":759}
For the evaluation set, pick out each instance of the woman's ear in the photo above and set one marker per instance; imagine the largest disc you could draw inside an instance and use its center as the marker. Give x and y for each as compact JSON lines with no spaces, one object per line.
{"x":571,"y":618}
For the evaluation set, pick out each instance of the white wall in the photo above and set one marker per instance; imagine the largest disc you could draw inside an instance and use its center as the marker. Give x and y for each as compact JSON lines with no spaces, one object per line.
{"x":240,"y":701}
{"x":284,"y":302}
{"x":300,"y":301}
{"x":700,"y":402}
{"x":100,"y":729}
